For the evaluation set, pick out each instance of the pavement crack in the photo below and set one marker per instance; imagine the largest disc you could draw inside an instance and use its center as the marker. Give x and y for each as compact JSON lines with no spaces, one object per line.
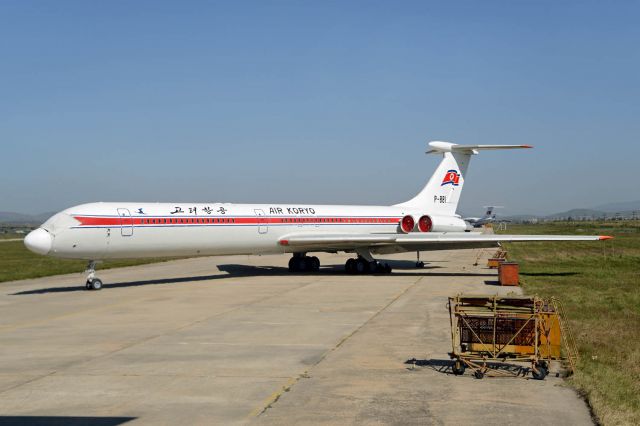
{"x":275,"y":396}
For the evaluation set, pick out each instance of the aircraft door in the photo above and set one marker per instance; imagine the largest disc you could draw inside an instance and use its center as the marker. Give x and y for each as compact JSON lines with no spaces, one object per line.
{"x":263,"y":223}
{"x":126,"y":222}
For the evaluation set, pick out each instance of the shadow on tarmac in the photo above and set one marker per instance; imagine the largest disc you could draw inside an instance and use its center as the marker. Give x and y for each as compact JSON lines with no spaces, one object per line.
{"x":235,"y":271}
{"x":63,"y":421}
{"x":445,"y":366}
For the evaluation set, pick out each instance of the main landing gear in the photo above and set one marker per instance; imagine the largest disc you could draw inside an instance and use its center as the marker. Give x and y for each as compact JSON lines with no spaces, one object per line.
{"x":362,"y":266}
{"x":366,"y":264}
{"x":93,"y":283}
{"x":304,"y":263}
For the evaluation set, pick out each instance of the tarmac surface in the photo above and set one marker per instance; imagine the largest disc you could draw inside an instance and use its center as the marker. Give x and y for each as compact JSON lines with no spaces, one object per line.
{"x":186,"y":342}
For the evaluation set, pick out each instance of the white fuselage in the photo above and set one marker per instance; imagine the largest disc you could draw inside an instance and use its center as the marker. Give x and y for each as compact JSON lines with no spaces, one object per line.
{"x":135,"y":230}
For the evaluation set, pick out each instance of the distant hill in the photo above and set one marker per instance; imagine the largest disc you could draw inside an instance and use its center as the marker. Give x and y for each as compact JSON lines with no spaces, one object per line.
{"x":619,"y":207}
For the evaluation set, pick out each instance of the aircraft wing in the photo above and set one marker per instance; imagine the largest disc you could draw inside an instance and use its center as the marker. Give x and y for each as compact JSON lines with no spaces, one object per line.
{"x":389,"y":243}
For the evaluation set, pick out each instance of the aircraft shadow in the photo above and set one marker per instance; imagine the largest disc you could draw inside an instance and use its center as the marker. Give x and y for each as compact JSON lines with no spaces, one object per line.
{"x":68,"y":289}
{"x":236,"y":271}
{"x":63,"y":421}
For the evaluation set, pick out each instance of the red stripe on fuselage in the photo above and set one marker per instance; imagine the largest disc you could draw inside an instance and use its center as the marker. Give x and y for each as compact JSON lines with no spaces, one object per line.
{"x":208,"y":220}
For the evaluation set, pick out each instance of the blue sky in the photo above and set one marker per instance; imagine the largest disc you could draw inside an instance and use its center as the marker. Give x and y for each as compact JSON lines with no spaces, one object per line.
{"x":316,"y":102}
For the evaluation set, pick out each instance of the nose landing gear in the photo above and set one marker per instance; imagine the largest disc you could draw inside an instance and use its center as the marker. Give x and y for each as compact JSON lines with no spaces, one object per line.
{"x":92,"y":283}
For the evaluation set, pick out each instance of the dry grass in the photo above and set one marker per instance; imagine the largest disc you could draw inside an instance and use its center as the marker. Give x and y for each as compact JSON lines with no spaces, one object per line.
{"x":599,"y":284}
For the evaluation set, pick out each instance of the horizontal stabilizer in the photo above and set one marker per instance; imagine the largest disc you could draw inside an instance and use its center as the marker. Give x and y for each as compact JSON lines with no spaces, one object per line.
{"x":440,"y":147}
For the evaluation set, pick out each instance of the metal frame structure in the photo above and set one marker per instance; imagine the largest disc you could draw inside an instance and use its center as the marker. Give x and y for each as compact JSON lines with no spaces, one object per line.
{"x":486,"y":331}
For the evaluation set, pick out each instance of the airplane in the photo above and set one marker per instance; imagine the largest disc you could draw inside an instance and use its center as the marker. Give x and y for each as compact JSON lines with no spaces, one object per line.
{"x":428,"y":221}
{"x":489,"y":217}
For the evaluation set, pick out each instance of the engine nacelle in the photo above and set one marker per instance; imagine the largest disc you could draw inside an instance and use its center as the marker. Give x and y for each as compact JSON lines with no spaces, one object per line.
{"x":425,"y":224}
{"x":428,"y":223}
{"x":447,"y":224}
{"x":407,"y":224}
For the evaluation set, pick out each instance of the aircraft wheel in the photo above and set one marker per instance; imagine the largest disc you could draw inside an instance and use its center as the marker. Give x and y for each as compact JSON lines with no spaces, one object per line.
{"x":303,"y":264}
{"x":350,"y":266}
{"x":88,"y":285}
{"x":315,"y":263}
{"x":293,"y":264}
{"x":387,"y":268}
{"x":362,"y":266}
{"x":95,"y":284}
{"x":419,"y":264}
{"x":479,"y":374}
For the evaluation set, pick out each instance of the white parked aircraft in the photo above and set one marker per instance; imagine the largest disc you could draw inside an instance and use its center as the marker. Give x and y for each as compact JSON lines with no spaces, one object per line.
{"x":489,"y":217}
{"x":428,"y":221}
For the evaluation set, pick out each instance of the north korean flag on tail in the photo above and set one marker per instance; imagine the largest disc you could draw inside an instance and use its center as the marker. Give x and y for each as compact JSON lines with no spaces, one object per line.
{"x":452,"y":177}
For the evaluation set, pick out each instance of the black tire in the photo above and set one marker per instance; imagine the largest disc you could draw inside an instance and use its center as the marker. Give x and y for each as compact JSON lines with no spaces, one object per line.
{"x":303,"y":264}
{"x":458,"y":367}
{"x":478,"y":374}
{"x":387,"y":268}
{"x":315,"y":264}
{"x":88,"y":285}
{"x":96,"y":284}
{"x":293,"y":265}
{"x":540,"y":371}
{"x":362,"y":266}
{"x":419,"y":264}
{"x":350,"y":266}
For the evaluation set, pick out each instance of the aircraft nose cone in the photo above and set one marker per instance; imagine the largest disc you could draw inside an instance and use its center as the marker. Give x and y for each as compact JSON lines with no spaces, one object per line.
{"x":39,"y":241}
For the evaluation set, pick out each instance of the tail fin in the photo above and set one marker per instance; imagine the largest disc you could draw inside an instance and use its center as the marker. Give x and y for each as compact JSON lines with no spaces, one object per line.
{"x":441,"y":194}
{"x":490,"y":214}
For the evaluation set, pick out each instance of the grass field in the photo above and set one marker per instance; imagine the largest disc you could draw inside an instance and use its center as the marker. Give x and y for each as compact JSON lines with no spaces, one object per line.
{"x":599,"y":284}
{"x":18,"y":263}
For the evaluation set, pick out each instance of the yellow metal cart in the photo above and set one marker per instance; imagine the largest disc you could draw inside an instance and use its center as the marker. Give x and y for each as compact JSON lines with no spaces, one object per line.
{"x":488,"y":331}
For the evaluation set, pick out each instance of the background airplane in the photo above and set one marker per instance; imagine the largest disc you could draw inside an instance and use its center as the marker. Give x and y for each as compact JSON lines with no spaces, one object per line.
{"x":428,"y":221}
{"x":489,"y":217}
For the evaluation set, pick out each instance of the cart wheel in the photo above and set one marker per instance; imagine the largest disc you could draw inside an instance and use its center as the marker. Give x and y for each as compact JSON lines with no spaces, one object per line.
{"x":540,"y":372}
{"x":479,"y":374}
{"x":458,"y":367}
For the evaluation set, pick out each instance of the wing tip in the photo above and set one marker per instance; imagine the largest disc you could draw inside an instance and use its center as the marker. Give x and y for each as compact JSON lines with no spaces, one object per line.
{"x":605,"y":237}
